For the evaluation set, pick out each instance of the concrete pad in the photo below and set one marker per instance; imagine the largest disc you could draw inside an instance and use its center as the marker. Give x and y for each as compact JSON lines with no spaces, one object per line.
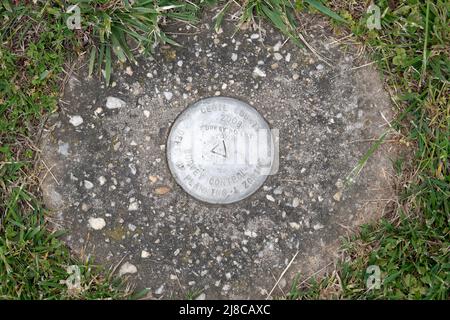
{"x":111,"y":188}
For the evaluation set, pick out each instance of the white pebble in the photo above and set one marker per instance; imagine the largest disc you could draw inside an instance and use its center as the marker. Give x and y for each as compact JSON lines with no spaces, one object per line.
{"x":288,"y":57}
{"x":88,"y":185}
{"x":277,"y":56}
{"x":133,"y":206}
{"x":234,"y":56}
{"x":277,"y":46}
{"x":145,"y":254}
{"x":97,"y":223}
{"x":127,"y":268}
{"x":318,"y":226}
{"x":115,"y":103}
{"x":258,"y":72}
{"x":294,"y":225}
{"x":76,"y":120}
{"x":101,"y":180}
{"x":168,"y":95}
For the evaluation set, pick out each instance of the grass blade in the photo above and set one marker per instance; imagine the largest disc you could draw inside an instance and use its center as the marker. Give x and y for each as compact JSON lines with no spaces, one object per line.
{"x":92,"y":60}
{"x":323,"y":9}
{"x":108,"y":65}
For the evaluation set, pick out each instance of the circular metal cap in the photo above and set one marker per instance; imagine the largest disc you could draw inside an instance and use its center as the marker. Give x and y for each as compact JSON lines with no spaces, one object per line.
{"x":220,"y":150}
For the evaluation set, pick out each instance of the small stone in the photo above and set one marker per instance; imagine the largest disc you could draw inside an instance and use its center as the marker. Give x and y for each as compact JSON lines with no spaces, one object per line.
{"x":133,"y":206}
{"x":101,"y":180}
{"x":153,"y":179}
{"x":88,"y":185}
{"x":176,"y":252}
{"x":234,"y":56}
{"x":97,"y":223}
{"x":270,"y":198}
{"x":274,"y":66}
{"x":319,"y":67}
{"x":168,"y":95}
{"x":114,"y":103}
{"x":251,"y":234}
{"x":146,"y":113}
{"x":76,"y":121}
{"x":129,"y":71}
{"x":201,"y":296}
{"x":132,"y":227}
{"x":132,"y":168}
{"x":127,"y":268}
{"x":63,"y":148}
{"x":294,"y":225}
{"x":295,"y":202}
{"x":318,"y":226}
{"x":277,"y":46}
{"x":277,"y":56}
{"x":145,"y":254}
{"x":337,"y":196}
{"x":160,"y":290}
{"x":180,"y":63}
{"x":288,"y":57}
{"x":259,"y":73}
{"x":162,"y":190}
{"x":278,"y":191}
{"x":254,"y":36}
{"x":84,"y":207}
{"x":295,"y":76}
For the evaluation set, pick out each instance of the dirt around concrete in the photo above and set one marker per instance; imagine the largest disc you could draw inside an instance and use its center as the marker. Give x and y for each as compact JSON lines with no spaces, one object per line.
{"x":111,"y":188}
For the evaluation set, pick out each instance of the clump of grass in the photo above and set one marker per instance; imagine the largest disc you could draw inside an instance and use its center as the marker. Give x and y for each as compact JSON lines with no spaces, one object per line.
{"x":113,"y":26}
{"x":279,"y":13}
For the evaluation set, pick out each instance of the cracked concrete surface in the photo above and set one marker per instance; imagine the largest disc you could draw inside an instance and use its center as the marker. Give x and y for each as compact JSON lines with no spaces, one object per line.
{"x":111,"y":188}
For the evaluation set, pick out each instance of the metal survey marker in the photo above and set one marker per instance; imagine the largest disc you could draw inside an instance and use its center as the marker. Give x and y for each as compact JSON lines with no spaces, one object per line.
{"x":220,"y":150}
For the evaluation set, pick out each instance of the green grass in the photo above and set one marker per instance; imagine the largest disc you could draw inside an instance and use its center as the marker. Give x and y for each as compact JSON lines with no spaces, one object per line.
{"x":410,"y":245}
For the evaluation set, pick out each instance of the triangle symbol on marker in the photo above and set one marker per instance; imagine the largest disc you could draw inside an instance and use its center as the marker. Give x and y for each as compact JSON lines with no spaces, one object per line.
{"x":220,"y":149}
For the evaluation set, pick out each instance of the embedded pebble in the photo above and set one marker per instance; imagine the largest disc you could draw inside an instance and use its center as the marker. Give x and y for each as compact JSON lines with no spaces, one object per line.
{"x":127,"y":268}
{"x":76,"y":120}
{"x":168,"y":95}
{"x":133,"y":206}
{"x":294,"y":225}
{"x":318,"y":226}
{"x":88,"y":185}
{"x":258,"y":72}
{"x":114,"y":103}
{"x":277,"y":56}
{"x":97,"y":223}
{"x":337,"y":196}
{"x":101,"y":180}
{"x":145,"y":254}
